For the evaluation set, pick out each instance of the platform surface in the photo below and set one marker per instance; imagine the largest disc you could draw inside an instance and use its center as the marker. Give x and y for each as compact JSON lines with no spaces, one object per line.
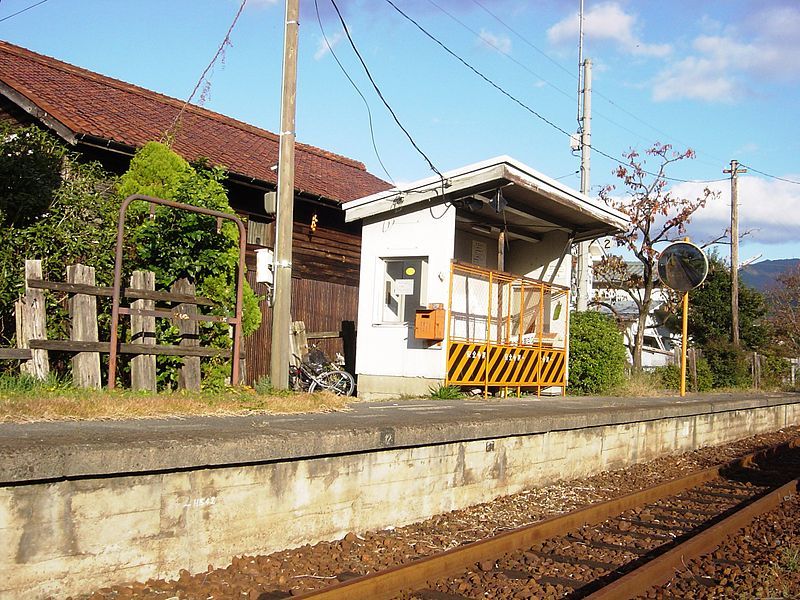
{"x":48,"y":451}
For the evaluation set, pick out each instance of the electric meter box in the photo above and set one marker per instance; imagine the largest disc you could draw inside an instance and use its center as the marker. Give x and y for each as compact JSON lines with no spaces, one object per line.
{"x":429,"y":323}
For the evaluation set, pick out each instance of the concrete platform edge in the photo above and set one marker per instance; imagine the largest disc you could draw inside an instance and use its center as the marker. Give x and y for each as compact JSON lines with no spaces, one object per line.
{"x":53,"y":451}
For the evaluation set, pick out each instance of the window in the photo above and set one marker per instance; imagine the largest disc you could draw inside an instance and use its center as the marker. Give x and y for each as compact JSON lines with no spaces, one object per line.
{"x":403,"y":289}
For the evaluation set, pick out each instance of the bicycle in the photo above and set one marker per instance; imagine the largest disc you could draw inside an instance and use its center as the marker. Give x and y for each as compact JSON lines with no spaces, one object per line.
{"x":316,"y":372}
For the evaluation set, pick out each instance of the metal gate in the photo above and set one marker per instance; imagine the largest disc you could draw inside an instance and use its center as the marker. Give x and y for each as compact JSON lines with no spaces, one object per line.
{"x":505,"y":331}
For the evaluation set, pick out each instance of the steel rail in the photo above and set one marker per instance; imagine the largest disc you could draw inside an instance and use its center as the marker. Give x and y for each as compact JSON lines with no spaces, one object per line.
{"x":662,"y":568}
{"x":389,"y":583}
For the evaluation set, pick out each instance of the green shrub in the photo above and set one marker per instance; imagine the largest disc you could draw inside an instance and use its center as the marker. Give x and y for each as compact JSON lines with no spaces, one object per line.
{"x":705,"y":378}
{"x":670,"y":376}
{"x":596,"y":353}
{"x":728,"y":364}
{"x":775,"y":371}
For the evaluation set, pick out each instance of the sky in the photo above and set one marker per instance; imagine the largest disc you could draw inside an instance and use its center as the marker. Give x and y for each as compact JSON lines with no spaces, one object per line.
{"x":719,"y":76}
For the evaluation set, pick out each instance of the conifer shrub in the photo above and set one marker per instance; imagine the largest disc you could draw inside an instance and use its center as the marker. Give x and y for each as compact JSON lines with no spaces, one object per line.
{"x":596,"y":353}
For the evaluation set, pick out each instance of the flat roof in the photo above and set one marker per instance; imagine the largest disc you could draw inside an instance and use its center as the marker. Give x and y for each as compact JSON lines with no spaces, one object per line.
{"x":532,"y":199}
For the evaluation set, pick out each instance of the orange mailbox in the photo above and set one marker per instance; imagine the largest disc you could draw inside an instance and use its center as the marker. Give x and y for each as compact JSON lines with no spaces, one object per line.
{"x":429,"y":323}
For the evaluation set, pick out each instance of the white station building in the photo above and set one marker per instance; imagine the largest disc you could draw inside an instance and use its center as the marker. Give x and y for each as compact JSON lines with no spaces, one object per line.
{"x":465,"y":280}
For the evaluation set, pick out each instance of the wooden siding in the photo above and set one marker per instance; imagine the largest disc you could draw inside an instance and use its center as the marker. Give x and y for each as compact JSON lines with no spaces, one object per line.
{"x":322,"y":305}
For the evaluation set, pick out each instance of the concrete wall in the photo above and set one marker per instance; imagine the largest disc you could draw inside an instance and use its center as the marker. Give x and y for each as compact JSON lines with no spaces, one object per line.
{"x":70,"y":536}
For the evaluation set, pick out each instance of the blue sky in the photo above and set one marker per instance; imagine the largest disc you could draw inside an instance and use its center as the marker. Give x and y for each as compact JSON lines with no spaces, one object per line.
{"x":719,"y":76}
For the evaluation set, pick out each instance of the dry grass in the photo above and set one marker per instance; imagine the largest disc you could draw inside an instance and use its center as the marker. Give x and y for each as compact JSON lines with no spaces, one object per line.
{"x":60,"y":403}
{"x":641,"y":384}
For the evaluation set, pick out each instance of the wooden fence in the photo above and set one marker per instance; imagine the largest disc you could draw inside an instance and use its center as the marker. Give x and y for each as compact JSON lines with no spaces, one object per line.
{"x":33,"y":345}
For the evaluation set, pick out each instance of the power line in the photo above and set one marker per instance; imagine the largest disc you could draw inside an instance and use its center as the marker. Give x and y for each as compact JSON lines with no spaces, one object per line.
{"x":524,"y":39}
{"x":770,"y":176}
{"x":523,"y":104}
{"x":524,"y":66}
{"x":356,"y":88}
{"x":19,"y":12}
{"x":380,"y":94}
{"x":596,"y":92}
{"x":478,"y":73}
{"x":499,"y":49}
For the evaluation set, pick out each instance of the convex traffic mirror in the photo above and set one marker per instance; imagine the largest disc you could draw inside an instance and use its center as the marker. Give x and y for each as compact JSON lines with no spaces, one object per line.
{"x":682,"y":266}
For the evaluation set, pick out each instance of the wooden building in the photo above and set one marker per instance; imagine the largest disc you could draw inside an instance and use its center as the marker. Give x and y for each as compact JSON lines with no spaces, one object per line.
{"x":107,"y":120}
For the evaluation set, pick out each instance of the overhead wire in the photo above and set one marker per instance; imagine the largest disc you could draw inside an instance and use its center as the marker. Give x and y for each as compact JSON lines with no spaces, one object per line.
{"x":356,"y":88}
{"x":499,"y":49}
{"x":595,"y":92}
{"x":768,"y":175}
{"x":381,"y":96}
{"x":225,"y":42}
{"x":19,"y":12}
{"x":523,"y":104}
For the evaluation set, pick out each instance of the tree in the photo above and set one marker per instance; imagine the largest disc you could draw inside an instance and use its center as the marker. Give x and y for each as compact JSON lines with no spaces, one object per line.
{"x":784,"y":311}
{"x":710,"y":310}
{"x":656,"y":216}
{"x":64,"y":222}
{"x":31,"y":163}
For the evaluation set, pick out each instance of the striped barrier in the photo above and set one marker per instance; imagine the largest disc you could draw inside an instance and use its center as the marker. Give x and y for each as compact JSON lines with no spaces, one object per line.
{"x":481,"y":364}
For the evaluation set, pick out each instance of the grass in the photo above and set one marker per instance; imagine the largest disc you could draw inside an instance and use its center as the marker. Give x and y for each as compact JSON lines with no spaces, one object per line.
{"x":641,"y":384}
{"x":445,"y":392}
{"x":790,"y":558}
{"x":23,"y":399}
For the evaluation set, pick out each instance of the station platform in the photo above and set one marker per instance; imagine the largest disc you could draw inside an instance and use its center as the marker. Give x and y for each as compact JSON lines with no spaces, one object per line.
{"x":46,"y":451}
{"x":89,"y":504}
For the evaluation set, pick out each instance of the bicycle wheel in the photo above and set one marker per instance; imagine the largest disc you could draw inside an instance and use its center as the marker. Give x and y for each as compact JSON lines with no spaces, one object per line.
{"x":340,"y":383}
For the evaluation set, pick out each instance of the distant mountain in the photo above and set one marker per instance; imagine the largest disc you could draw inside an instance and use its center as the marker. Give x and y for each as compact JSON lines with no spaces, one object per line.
{"x":762,"y":275}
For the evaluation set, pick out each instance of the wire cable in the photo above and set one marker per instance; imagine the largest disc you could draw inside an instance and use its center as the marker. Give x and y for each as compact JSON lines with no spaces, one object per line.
{"x":19,"y":12}
{"x":525,"y":106}
{"x":770,"y":176}
{"x":528,"y":69}
{"x":226,"y":41}
{"x":478,"y":73}
{"x":500,"y":50}
{"x":380,"y":94}
{"x":596,"y":92}
{"x":356,"y":88}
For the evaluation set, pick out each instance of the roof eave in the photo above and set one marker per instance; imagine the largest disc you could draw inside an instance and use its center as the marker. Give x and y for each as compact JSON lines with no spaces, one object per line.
{"x":499,"y":171}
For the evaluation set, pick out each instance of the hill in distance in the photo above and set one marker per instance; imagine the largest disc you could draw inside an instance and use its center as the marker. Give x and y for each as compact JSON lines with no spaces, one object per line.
{"x":763,"y":275}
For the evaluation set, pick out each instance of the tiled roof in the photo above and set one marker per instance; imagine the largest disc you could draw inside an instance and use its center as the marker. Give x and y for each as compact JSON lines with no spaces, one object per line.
{"x":89,"y":104}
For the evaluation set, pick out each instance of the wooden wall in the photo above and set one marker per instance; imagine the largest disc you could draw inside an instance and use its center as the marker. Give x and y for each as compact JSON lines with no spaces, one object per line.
{"x":325,"y":272}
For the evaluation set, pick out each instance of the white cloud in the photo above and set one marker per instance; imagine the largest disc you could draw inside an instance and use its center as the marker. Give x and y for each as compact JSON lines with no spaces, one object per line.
{"x":767,"y":208}
{"x":721,"y":65}
{"x":606,"y":21}
{"x":501,"y":43}
{"x":324,"y":46}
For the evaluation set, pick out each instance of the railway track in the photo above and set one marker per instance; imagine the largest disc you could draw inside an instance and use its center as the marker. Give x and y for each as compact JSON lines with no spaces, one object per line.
{"x":620,"y":548}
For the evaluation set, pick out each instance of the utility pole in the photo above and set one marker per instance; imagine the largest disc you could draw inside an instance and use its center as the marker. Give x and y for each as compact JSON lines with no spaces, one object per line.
{"x":284,"y":219}
{"x":584,"y":262}
{"x":734,"y":172}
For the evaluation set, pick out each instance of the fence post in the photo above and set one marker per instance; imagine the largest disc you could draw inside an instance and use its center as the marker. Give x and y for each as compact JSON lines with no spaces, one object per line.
{"x":31,"y":320}
{"x":693,"y":369}
{"x":83,"y":328}
{"x":298,"y":341}
{"x":756,"y":371}
{"x":143,"y":331}
{"x":189,"y":377}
